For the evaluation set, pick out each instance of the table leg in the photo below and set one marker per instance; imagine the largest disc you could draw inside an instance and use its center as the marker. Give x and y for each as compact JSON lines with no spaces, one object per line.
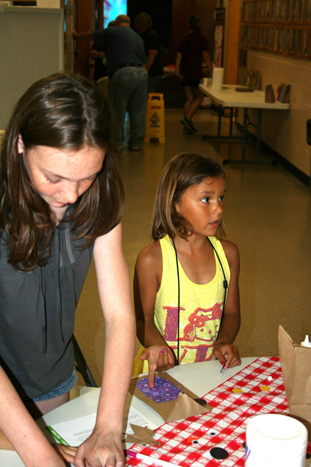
{"x":258,"y":134}
{"x":219,"y":121}
{"x":219,"y":137}
{"x":231,"y":122}
{"x":243,"y":160}
{"x":244,"y":135}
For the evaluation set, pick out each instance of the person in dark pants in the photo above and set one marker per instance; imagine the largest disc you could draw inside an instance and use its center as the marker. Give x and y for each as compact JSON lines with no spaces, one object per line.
{"x":192,"y":50}
{"x":143,"y":24}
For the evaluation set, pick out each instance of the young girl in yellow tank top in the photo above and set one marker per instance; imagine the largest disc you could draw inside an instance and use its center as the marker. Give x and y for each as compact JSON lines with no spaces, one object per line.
{"x":186,"y":281}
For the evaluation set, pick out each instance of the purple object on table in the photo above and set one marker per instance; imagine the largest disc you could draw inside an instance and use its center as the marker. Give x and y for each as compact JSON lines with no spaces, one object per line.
{"x":163,"y":391}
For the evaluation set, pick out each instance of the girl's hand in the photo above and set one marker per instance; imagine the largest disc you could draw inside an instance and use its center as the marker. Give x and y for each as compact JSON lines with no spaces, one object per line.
{"x":67,"y":453}
{"x":227,"y":353}
{"x":100,"y":449}
{"x":160,"y":358}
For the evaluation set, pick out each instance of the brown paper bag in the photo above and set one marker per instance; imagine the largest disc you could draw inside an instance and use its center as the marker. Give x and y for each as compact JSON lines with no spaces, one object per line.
{"x":186,"y":405}
{"x":296,"y":368}
{"x":283,"y":93}
{"x":253,"y":79}
{"x":269,"y":94}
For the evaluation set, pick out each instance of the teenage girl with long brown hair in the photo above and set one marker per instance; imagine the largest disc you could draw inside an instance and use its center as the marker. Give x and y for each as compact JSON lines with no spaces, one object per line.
{"x":61,"y":204}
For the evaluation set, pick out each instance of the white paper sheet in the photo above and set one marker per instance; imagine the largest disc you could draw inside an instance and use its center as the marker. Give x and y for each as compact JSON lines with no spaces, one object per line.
{"x":74,"y":432}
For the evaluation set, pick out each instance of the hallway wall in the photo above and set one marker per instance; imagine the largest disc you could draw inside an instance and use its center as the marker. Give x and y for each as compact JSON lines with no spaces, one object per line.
{"x":285,"y":132}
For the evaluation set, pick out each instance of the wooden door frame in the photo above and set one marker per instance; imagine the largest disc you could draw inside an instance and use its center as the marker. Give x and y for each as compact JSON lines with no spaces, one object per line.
{"x":84,"y":20}
{"x":233,"y":41}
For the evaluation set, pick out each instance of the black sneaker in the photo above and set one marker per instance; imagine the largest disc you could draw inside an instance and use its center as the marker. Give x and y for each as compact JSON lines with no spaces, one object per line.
{"x":133,"y":147}
{"x":193,"y":128}
{"x":188,"y":132}
{"x":186,"y":123}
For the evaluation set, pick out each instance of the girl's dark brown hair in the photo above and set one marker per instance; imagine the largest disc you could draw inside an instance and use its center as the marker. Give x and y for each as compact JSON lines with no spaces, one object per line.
{"x":180,"y":173}
{"x":64,"y":111}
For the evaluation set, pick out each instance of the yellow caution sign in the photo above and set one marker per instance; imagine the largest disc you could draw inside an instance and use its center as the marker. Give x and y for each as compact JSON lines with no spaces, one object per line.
{"x":155,"y":124}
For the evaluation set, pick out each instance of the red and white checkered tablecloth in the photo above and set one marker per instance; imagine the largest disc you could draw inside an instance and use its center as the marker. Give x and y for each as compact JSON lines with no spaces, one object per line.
{"x":258,"y":388}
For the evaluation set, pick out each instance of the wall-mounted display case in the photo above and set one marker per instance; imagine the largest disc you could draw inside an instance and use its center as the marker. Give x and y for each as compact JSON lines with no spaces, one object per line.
{"x":277,"y":26}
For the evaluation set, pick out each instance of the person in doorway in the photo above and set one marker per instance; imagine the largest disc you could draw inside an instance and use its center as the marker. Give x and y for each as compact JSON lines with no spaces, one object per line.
{"x":192,"y":51}
{"x":128,"y":77}
{"x":61,"y":204}
{"x":100,"y":65}
{"x":186,"y":281}
{"x":100,"y":60}
{"x":143,"y":23}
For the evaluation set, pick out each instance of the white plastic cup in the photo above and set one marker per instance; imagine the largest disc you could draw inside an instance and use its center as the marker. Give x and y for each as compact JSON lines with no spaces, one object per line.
{"x":306,"y":342}
{"x":275,"y":440}
{"x":218,"y":78}
{"x":205,"y":82}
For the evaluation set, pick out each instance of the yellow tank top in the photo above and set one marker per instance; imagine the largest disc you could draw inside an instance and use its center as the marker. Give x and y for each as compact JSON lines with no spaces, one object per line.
{"x":201,"y":306}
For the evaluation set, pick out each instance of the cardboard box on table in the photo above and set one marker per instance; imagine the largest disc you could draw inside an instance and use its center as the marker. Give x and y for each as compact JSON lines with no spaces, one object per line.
{"x":296,"y":368}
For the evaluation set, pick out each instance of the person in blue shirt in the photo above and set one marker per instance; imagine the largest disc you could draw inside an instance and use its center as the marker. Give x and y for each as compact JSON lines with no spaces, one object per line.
{"x":125,"y":52}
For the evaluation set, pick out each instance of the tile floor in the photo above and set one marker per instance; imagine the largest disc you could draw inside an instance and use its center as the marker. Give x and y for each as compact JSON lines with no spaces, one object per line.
{"x":267,"y":214}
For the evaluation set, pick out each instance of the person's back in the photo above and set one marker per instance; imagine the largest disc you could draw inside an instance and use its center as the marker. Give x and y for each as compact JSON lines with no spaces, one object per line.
{"x":151,"y":41}
{"x":122,"y":45}
{"x":127,"y":78}
{"x":191,"y":48}
{"x":143,"y":23}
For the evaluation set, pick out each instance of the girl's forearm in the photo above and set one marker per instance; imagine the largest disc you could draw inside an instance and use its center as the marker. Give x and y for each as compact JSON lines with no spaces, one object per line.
{"x":152,"y":335}
{"x":22,"y":431}
{"x":229,"y":328}
{"x":118,"y":362}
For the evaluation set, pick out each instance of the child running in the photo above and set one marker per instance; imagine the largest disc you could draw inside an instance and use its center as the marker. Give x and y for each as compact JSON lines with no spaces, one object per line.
{"x":186,"y":282}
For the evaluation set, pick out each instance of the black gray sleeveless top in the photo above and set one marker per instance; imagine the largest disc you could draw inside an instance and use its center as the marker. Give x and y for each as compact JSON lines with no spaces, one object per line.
{"x":37,"y":311}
